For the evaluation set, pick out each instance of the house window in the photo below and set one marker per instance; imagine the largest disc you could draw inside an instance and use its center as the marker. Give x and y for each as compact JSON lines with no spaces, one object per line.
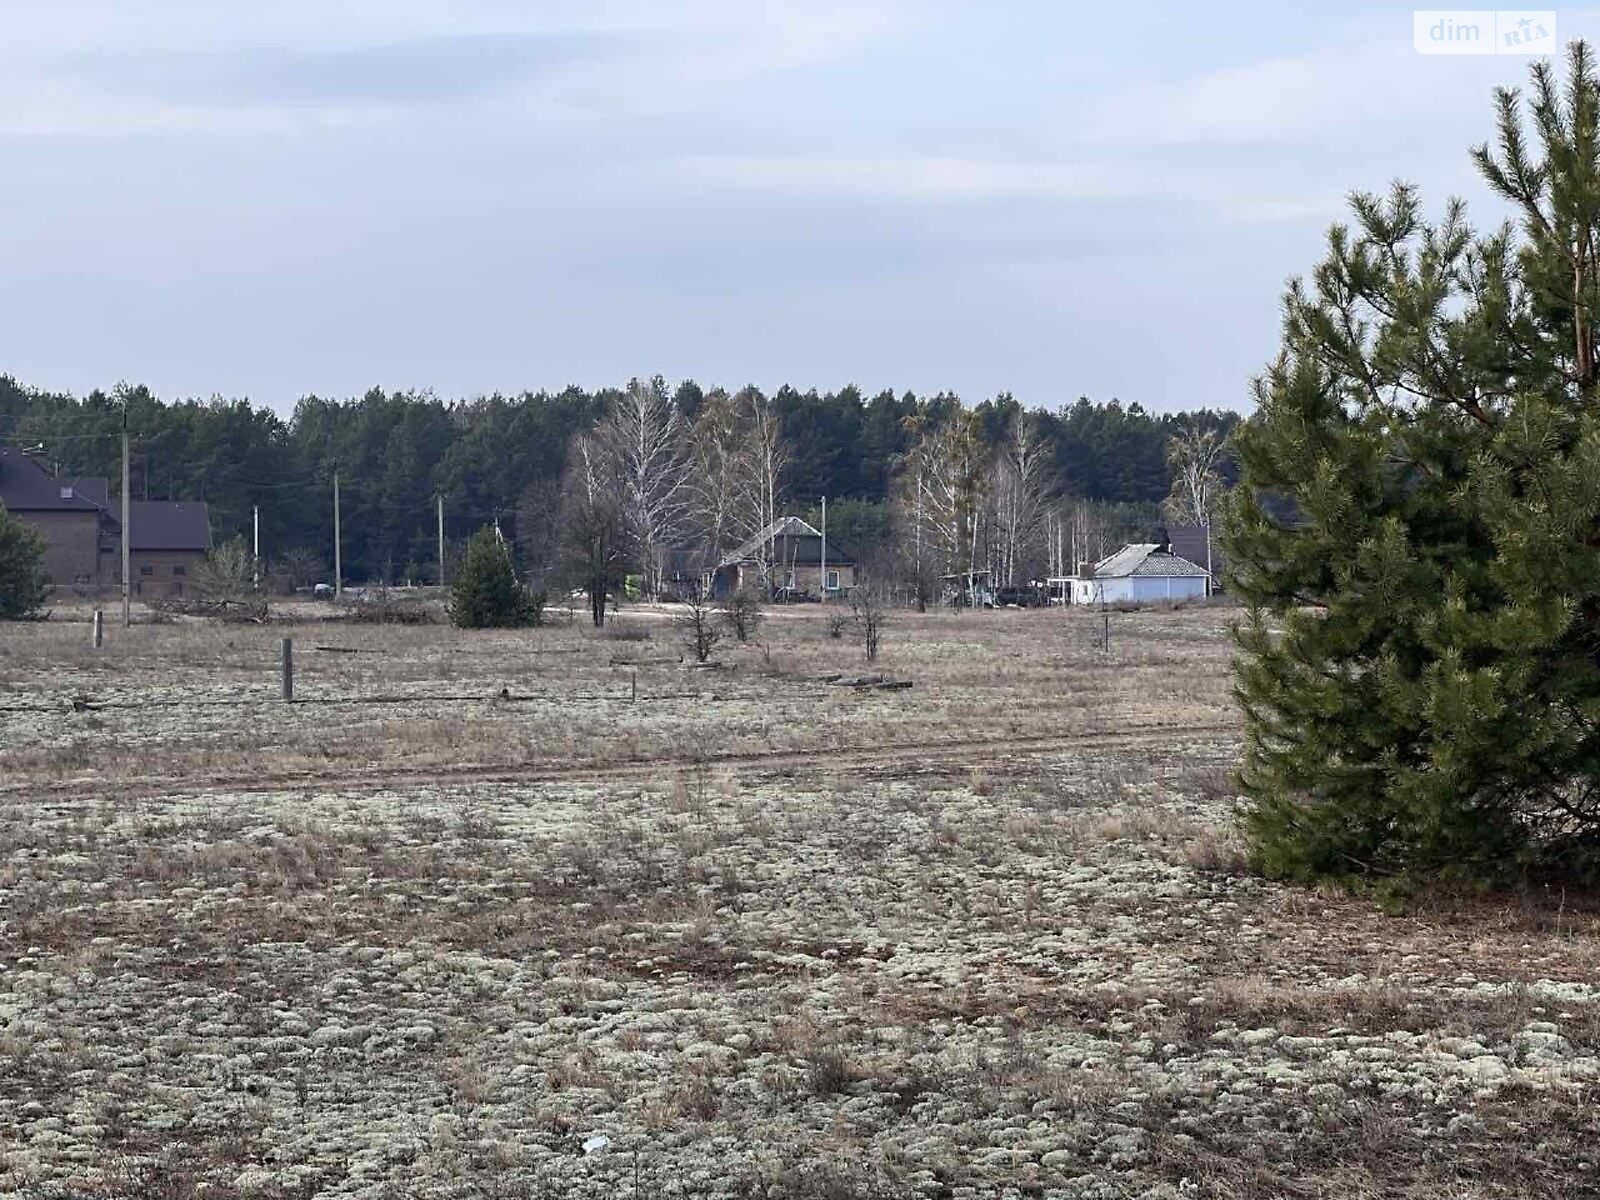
{"x":179,"y":571}
{"x":833,"y":581}
{"x":147,"y":570}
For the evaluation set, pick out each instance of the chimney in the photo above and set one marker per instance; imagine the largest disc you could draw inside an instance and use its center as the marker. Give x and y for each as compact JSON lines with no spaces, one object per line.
{"x":1085,"y":570}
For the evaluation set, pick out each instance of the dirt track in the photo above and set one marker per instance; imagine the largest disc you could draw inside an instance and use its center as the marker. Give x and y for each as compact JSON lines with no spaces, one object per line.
{"x":942,"y":751}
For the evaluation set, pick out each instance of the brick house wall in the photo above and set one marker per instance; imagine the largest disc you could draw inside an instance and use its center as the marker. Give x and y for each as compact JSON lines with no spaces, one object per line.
{"x":157,"y":574}
{"x":809,"y":578}
{"x":73,"y":555}
{"x":802,"y":577}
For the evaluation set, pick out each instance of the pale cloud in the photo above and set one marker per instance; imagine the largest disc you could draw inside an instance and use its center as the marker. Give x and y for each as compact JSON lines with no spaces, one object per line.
{"x":1324,"y":207}
{"x":911,"y":179}
{"x":85,"y":67}
{"x":1340,"y":89}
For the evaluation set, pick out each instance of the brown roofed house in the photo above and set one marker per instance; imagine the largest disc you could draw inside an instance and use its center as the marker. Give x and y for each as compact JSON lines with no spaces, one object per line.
{"x":80,"y":534}
{"x":788,"y":558}
{"x":169,"y":539}
{"x":82,"y":530}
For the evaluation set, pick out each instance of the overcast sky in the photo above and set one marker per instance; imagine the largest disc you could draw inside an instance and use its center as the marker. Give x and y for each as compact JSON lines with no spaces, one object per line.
{"x":268,"y":200}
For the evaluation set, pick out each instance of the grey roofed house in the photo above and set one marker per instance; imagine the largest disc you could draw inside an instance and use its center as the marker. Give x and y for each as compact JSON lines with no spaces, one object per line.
{"x":1143,"y":573}
{"x":169,"y":525}
{"x":792,"y":541}
{"x":787,"y":554}
{"x":1147,"y":559}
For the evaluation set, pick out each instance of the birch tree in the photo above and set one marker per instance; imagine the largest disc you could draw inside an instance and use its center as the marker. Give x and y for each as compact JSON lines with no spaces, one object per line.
{"x":1197,"y":488}
{"x":644,"y":436}
{"x":765,"y":460}
{"x":1019,"y":493}
{"x":1193,"y":454}
{"x":910,"y":515}
{"x":718,"y":481}
{"x":944,"y":482}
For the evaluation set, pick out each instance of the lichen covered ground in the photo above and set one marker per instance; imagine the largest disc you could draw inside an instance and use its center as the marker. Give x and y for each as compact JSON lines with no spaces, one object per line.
{"x":751,"y":935}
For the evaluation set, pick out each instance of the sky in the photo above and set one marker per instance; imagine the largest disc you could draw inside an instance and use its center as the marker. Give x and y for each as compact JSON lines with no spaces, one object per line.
{"x":270,"y":200}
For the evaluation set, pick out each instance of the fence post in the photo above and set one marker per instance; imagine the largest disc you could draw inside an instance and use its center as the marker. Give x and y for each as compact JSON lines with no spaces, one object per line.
{"x":287,"y":647}
{"x":99,"y":628}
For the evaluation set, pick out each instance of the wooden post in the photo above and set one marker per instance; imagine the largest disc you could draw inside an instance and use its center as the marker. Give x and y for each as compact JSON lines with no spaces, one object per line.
{"x":1105,"y":641}
{"x":287,"y":648}
{"x":99,"y":628}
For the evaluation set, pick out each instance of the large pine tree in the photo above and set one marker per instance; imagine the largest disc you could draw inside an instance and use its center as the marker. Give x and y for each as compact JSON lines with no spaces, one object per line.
{"x":1418,"y":536}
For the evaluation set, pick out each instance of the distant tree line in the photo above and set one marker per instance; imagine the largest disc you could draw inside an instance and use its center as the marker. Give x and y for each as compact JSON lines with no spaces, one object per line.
{"x":591,"y":485}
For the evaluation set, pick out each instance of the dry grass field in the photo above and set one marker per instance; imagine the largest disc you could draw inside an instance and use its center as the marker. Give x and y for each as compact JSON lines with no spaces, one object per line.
{"x":550,"y":914}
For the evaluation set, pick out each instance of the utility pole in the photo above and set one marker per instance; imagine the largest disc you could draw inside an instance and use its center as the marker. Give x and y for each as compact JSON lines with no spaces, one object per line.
{"x":255,"y":557}
{"x":338,"y":561}
{"x":127,"y":533}
{"x":824,"y":588}
{"x":441,"y":539}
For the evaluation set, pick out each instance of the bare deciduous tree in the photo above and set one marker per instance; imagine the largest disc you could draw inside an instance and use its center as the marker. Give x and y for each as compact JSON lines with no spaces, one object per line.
{"x":867,"y":612}
{"x":1019,"y":492}
{"x":718,"y":476}
{"x":697,"y":625}
{"x":643,"y":435}
{"x":765,"y":460}
{"x":1196,"y":485}
{"x":591,"y":519}
{"x":943,"y":482}
{"x":538,"y":533}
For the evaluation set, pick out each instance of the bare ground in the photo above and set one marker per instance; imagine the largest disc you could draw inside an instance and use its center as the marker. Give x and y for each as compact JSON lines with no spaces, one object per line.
{"x":765,"y":936}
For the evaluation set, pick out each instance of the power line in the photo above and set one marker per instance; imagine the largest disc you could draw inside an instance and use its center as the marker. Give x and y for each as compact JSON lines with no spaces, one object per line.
{"x":61,"y":437}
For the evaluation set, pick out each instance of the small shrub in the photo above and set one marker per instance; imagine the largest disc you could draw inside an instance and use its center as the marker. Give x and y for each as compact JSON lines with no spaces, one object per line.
{"x":1219,"y":851}
{"x":830,"y":1072}
{"x":226,"y":573}
{"x":838,"y":622}
{"x":696,"y":627}
{"x":486,"y":593}
{"x":743,"y":614}
{"x":868,"y":616}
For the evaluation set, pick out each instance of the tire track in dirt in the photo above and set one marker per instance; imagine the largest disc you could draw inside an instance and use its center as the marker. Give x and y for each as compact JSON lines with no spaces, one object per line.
{"x":918,"y":755}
